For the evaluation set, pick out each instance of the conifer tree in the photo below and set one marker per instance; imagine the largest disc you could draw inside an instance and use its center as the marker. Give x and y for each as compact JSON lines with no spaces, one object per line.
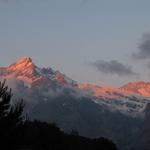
{"x":10,"y":115}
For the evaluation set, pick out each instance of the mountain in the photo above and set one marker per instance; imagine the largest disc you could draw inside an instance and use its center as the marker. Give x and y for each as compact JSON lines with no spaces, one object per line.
{"x":26,"y":71}
{"x":139,"y":88}
{"x":93,"y":111}
{"x":130,"y":99}
{"x":124,"y":99}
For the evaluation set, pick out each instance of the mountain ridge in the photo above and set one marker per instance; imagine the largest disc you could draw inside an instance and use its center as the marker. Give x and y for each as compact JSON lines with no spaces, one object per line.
{"x":131,"y":98}
{"x":112,"y":112}
{"x":25,"y":67}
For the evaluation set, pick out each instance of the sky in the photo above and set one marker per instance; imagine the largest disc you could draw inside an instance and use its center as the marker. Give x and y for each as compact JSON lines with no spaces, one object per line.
{"x":104,"y":42}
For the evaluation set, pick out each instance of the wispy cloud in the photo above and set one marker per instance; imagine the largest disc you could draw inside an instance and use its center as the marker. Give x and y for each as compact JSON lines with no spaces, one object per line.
{"x":113,"y":67}
{"x":144,"y":48}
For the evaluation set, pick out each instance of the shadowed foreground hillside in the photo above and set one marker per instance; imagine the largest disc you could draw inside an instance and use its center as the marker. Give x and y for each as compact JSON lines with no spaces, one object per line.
{"x":16,"y":133}
{"x":143,"y":136}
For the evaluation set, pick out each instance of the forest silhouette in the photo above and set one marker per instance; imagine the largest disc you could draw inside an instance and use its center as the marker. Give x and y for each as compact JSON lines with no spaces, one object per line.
{"x":17,"y":132}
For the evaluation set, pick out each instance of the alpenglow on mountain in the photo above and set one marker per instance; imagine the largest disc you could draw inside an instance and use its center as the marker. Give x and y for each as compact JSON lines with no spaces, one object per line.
{"x":91,"y":110}
{"x":130,"y":99}
{"x":25,"y":70}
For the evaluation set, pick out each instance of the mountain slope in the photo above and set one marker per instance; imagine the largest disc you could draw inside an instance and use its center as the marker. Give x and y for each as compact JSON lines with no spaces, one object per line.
{"x":126,"y":101}
{"x":25,"y":70}
{"x":115,"y":113}
{"x":42,"y":83}
{"x":140,"y":88}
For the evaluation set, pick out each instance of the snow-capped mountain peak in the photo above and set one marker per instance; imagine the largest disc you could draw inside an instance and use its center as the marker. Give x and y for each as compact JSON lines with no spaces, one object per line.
{"x":140,"y":88}
{"x":26,"y":71}
{"x":124,"y":99}
{"x":23,"y":66}
{"x":130,"y":98}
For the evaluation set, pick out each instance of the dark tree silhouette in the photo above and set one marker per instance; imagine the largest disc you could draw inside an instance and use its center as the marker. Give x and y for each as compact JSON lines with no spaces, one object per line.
{"x":10,"y":116}
{"x":18,"y":134}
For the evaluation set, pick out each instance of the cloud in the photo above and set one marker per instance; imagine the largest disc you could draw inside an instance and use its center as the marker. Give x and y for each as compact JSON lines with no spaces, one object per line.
{"x":144,"y":48}
{"x":113,"y":67}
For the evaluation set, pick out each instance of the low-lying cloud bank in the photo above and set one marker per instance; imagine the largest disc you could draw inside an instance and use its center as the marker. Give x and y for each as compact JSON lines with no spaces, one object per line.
{"x":113,"y":67}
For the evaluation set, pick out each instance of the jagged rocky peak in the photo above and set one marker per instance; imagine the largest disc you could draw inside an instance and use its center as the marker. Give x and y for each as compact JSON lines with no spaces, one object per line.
{"x":130,"y":89}
{"x":23,"y":63}
{"x":25,"y":70}
{"x":141,"y":88}
{"x":132,"y":97}
{"x":136,"y":85}
{"x":25,"y":59}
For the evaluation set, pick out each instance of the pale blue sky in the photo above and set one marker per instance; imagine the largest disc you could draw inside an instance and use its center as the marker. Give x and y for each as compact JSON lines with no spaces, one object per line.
{"x":69,"y":34}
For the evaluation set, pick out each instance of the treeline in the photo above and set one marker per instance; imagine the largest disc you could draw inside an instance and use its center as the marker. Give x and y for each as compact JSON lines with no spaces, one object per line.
{"x":19,"y":133}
